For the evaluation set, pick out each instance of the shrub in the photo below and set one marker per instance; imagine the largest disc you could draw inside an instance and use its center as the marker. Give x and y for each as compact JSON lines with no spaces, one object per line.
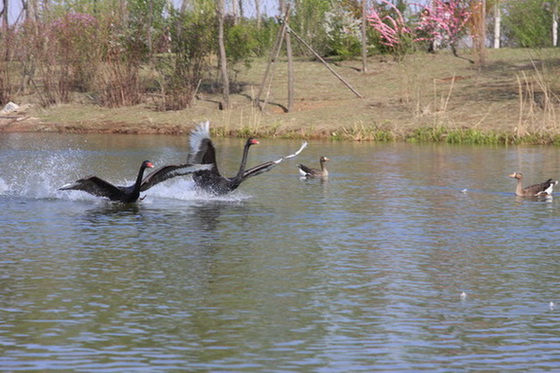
{"x":75,"y":37}
{"x":308,"y":22}
{"x":181,"y":71}
{"x":527,"y":23}
{"x":343,"y":32}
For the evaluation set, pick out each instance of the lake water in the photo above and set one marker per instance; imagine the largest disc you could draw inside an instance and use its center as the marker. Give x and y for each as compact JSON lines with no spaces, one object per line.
{"x":363,"y":272}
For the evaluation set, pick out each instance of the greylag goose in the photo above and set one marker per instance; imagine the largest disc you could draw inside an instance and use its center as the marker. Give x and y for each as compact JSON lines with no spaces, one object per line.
{"x":309,"y":172}
{"x":129,"y":194}
{"x":542,"y":189}
{"x":204,"y":152}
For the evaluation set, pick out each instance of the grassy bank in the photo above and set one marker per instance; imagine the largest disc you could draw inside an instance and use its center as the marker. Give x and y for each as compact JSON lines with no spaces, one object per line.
{"x":426,"y":97}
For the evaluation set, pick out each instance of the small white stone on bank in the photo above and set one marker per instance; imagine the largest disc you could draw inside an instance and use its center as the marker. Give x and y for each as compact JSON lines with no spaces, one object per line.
{"x":10,"y":107}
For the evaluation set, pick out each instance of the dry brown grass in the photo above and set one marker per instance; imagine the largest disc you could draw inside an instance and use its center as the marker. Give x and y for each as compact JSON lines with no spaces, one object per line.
{"x":515,"y":93}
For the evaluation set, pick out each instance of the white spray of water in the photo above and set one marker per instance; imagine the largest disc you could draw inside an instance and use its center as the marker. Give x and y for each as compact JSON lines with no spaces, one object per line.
{"x":39,"y":177}
{"x":183,"y":188}
{"x":3,"y":186}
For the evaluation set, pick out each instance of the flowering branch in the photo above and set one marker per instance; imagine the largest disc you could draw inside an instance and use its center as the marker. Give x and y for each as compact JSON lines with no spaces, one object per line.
{"x":443,"y":22}
{"x":391,"y":30}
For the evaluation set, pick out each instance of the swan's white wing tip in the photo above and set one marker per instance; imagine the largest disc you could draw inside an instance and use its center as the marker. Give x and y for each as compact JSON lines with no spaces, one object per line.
{"x":66,"y":186}
{"x":303,"y":146}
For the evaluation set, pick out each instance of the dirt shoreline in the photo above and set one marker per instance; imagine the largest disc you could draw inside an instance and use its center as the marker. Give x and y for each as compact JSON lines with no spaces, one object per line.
{"x":510,"y":99}
{"x":22,"y":124}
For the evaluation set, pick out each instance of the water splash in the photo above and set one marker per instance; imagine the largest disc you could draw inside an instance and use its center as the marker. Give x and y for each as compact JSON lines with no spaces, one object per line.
{"x":3,"y":186}
{"x":41,"y":176}
{"x":185,"y":189}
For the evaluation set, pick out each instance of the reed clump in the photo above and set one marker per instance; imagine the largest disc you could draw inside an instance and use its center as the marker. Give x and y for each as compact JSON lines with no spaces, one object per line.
{"x":431,"y":134}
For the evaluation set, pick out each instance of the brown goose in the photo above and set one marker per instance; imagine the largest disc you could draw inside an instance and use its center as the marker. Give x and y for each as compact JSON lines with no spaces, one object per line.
{"x":314,"y":172}
{"x":203,"y":152}
{"x":129,"y":194}
{"x":542,"y":189}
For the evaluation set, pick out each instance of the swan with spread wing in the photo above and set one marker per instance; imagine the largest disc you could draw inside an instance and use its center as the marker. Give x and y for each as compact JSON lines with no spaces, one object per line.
{"x":204,"y":152}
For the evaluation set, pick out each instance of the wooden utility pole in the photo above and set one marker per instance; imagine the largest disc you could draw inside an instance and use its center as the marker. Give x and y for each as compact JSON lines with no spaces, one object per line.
{"x":283,"y":33}
{"x":272,"y":60}
{"x":324,"y":62}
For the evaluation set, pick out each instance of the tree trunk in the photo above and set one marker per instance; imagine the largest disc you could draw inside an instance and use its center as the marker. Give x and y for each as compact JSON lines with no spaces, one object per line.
{"x":482,"y":36}
{"x":184,"y":5}
{"x":290,"y":61}
{"x":149,"y":27}
{"x":5,"y":21}
{"x":364,"y":36}
{"x":497,"y":24}
{"x":5,"y":30}
{"x":555,"y":23}
{"x":32,"y":10}
{"x":223,"y":58}
{"x":258,"y":13}
{"x":235,"y":11}
{"x":271,"y":62}
{"x":323,"y":62}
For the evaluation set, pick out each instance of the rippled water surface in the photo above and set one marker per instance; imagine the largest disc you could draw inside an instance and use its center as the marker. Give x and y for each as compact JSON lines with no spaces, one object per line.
{"x":363,"y":272}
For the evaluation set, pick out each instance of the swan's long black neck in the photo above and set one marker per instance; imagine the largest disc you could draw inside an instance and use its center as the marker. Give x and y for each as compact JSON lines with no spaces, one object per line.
{"x":138,"y":183}
{"x":241,"y":171}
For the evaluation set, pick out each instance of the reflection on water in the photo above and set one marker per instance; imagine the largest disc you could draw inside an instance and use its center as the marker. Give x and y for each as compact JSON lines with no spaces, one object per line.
{"x":363,"y":272}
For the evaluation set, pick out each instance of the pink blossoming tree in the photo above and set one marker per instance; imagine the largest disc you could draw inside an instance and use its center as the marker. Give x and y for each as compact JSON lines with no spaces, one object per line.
{"x":442,"y":24}
{"x":393,"y":30}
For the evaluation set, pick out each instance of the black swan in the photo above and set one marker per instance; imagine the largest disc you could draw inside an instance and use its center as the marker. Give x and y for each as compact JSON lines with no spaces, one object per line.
{"x":309,"y":172}
{"x":542,"y":189}
{"x":129,"y":194}
{"x":203,"y":152}
{"x":171,"y":171}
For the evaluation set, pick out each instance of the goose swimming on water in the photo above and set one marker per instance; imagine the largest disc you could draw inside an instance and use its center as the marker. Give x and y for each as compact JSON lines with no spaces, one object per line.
{"x":542,"y":189}
{"x":309,"y":172}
